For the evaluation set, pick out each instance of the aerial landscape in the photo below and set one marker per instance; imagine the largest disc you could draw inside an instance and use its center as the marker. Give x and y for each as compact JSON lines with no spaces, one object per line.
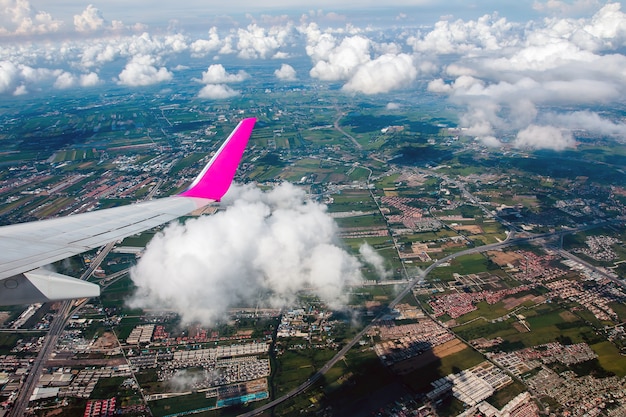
{"x":429,"y":218}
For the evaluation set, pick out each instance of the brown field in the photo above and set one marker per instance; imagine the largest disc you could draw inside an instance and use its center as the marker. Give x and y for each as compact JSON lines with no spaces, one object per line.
{"x":568,"y":316}
{"x":503,"y":258}
{"x":512,"y":302}
{"x":448,"y":348}
{"x":106,"y":341}
{"x":472,"y":228}
{"x":441,"y":351}
{"x":520,"y":327}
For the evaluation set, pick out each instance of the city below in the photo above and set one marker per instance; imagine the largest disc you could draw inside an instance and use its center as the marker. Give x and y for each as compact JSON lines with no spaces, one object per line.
{"x":492,"y":288}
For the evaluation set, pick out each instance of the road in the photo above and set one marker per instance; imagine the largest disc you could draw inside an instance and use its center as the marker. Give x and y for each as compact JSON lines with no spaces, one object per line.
{"x":593,"y":268}
{"x":346,"y":134}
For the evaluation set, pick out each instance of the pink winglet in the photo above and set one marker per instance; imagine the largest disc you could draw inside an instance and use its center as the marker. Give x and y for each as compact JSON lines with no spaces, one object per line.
{"x":217,"y":175}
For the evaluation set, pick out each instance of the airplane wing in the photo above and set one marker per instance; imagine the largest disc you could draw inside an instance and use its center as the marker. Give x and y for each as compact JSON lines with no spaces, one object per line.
{"x":26,"y":247}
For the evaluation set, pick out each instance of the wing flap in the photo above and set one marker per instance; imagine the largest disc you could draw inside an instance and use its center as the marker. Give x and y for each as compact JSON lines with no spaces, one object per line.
{"x":41,"y":285}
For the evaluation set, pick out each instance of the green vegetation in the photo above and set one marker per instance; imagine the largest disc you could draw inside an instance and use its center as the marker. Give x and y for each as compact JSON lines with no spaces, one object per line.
{"x":610,"y":358}
{"x":196,"y":401}
{"x":294,"y":367}
{"x":501,"y":397}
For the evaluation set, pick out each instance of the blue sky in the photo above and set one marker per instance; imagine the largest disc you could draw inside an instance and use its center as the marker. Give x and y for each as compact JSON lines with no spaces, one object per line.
{"x":531,"y":74}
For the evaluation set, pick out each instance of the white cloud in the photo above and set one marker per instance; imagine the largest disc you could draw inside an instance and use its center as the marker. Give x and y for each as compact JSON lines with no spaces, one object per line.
{"x":319,"y":44}
{"x":488,"y":33}
{"x":89,"y":80}
{"x":18,"y":17}
{"x":89,"y":20}
{"x":393,"y":106}
{"x":383,"y":74}
{"x":175,"y":43}
{"x":9,"y":77}
{"x":261,"y":250}
{"x":216,"y":74}
{"x":217,"y":91}
{"x":588,"y":121}
{"x":544,"y":137}
{"x":140,"y":71}
{"x":18,"y":79}
{"x":285,"y":73}
{"x":203,"y":47}
{"x":68,"y":80}
{"x":373,"y":258}
{"x":65,"y":80}
{"x":257,"y":42}
{"x":340,"y":62}
{"x":550,"y":64}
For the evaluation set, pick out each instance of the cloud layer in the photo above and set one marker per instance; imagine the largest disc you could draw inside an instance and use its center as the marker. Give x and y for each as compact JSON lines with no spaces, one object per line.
{"x":263,"y":248}
{"x":515,"y":83}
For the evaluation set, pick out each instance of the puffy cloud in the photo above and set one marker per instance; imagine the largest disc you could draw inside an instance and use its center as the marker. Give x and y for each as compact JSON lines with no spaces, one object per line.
{"x":89,"y":80}
{"x":17,"y":79}
{"x":286,"y":73}
{"x":319,"y":45}
{"x":216,"y":74}
{"x":65,"y":80}
{"x":257,"y":42}
{"x":544,"y":137}
{"x":340,"y":62}
{"x":69,"y":80}
{"x":140,"y":71}
{"x":98,"y":54}
{"x":18,"y":17}
{"x":588,"y":121}
{"x":489,"y":32}
{"x":385,"y":73}
{"x":175,"y":43}
{"x":550,"y":64}
{"x":89,"y":20}
{"x":263,"y":248}
{"x":217,"y":91}
{"x":9,"y":77}
{"x":350,"y":59}
{"x":202,"y":47}
{"x":215,"y":78}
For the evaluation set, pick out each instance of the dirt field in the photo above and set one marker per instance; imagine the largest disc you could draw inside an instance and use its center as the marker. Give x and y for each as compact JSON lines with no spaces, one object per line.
{"x":520,"y":327}
{"x":503,"y":258}
{"x":448,"y":348}
{"x":441,"y":351}
{"x":472,"y":228}
{"x":512,"y":302}
{"x":106,"y":341}
{"x":568,"y":316}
